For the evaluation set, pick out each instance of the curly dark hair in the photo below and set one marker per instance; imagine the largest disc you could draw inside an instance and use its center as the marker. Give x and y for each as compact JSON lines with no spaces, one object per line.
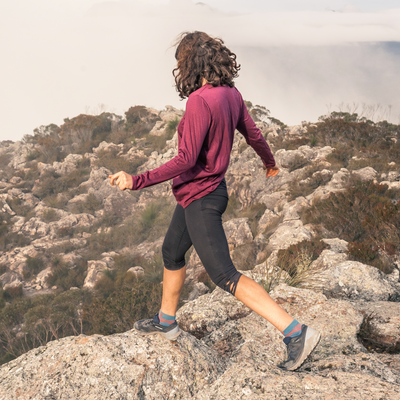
{"x":201,"y":56}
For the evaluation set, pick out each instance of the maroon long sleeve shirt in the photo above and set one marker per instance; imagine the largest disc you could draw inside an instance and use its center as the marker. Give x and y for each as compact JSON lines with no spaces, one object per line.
{"x":205,"y":138}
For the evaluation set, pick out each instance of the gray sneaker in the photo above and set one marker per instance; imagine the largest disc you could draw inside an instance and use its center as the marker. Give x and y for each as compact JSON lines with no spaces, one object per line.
{"x":152,"y":325}
{"x":300,"y":347}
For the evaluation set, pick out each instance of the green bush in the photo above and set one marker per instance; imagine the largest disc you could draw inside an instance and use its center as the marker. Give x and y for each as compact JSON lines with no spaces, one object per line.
{"x":350,"y":136}
{"x":172,"y":126}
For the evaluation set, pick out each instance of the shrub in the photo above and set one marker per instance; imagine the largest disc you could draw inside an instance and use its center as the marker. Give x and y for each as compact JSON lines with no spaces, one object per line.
{"x":45,"y":317}
{"x":18,"y":207}
{"x":51,"y":183}
{"x":312,"y":179}
{"x":287,"y":258}
{"x":66,"y":231}
{"x":10,"y":240}
{"x":90,"y":205}
{"x":82,"y":128}
{"x":139,"y":121}
{"x":133,"y":301}
{"x":172,"y":126}
{"x":32,"y":155}
{"x":149,"y":224}
{"x":5,"y":158}
{"x":66,"y":277}
{"x":13,"y":292}
{"x":34,"y":266}
{"x":49,"y":143}
{"x":49,"y":215}
{"x":155,"y":143}
{"x":367,"y":214}
{"x":110,"y":160}
{"x":297,"y":162}
{"x":373,"y":341}
{"x":299,"y":271}
{"x":2,"y":304}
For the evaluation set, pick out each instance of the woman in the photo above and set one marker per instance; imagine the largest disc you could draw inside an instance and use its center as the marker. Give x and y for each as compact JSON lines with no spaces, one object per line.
{"x":205,"y":72}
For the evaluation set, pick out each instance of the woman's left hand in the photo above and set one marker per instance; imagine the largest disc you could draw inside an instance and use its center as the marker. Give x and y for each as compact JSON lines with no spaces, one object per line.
{"x":272,"y":171}
{"x":123,"y":180}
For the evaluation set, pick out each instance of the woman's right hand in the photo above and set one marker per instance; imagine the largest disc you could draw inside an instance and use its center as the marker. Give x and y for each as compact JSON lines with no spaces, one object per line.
{"x":272,"y":171}
{"x":123,"y":180}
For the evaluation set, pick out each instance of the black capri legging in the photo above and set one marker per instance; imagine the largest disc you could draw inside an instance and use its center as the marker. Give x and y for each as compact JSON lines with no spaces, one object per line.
{"x":200,"y":224}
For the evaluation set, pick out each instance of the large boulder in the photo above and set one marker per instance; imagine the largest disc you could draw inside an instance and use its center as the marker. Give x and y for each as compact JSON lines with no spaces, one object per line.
{"x":286,"y":158}
{"x":383,"y":318}
{"x":209,"y":312}
{"x":42,"y":277}
{"x":114,"y":200}
{"x":121,"y":366}
{"x":95,"y":271}
{"x":237,"y":232}
{"x":288,"y":233}
{"x":365,"y":174}
{"x":355,"y":281}
{"x":336,"y":184}
{"x":10,"y":279}
{"x":333,"y":381}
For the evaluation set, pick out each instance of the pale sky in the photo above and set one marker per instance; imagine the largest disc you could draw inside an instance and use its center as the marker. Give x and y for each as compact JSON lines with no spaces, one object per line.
{"x":300,"y":58}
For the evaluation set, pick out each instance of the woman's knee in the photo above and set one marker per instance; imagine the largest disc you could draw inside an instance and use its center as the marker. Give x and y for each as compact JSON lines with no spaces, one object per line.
{"x":171,"y":262}
{"x":227,"y":280}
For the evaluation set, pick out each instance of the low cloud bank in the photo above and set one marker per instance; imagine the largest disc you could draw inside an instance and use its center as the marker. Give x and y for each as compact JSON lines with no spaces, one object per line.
{"x":119,"y":53}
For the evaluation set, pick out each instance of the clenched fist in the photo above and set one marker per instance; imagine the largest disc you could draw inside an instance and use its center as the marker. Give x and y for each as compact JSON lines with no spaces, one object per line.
{"x":122,"y":179}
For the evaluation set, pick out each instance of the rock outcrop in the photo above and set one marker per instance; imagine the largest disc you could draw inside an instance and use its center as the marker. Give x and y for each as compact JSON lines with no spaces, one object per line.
{"x":225,"y":352}
{"x":76,"y":224}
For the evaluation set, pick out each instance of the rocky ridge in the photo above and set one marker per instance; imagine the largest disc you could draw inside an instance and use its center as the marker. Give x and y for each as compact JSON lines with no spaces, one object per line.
{"x":225,"y":351}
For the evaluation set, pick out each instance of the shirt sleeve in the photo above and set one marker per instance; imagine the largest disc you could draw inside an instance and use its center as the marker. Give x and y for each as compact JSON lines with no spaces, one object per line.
{"x":195,"y":129}
{"x":254,"y":137}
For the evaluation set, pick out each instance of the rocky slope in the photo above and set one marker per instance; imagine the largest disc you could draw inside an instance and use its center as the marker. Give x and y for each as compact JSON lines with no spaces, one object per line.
{"x":60,"y":212}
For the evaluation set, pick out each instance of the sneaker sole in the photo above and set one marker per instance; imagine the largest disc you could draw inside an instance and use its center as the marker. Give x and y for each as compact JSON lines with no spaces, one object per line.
{"x":171,"y":335}
{"x":311,"y":341}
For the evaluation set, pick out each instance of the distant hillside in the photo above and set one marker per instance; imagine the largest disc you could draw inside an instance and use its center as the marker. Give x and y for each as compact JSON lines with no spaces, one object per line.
{"x":79,"y":256}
